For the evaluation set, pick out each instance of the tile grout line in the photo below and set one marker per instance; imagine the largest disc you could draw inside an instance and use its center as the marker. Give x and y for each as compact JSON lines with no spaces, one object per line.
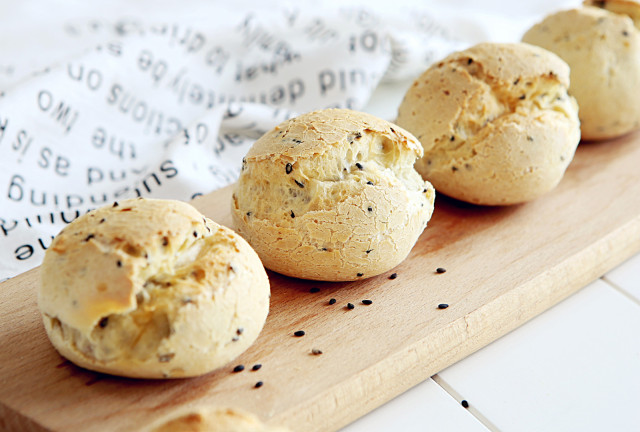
{"x":472,"y":410}
{"x":621,"y":290}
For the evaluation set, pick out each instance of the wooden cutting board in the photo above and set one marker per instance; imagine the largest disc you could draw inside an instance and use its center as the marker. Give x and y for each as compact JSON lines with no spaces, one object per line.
{"x":504,"y":266}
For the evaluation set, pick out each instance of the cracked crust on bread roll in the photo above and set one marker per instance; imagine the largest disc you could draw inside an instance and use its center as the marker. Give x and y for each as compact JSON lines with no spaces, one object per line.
{"x":496,"y":122}
{"x":332,"y":195}
{"x":149,"y":288}
{"x":603,"y":50}
{"x":205,"y":419}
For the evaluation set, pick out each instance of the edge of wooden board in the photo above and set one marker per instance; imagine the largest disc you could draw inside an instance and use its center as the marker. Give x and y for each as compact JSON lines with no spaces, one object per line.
{"x":398,"y":373}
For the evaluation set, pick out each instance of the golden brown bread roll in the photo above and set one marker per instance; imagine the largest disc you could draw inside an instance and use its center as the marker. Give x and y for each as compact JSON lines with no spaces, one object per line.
{"x":495,"y":121}
{"x":332,"y":195}
{"x":151,"y":289}
{"x":603,"y":50}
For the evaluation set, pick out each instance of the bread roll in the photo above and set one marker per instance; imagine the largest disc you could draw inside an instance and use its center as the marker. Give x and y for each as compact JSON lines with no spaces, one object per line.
{"x":211,"y":420}
{"x":332,"y":195}
{"x":603,"y":50}
{"x":495,"y":121}
{"x":151,"y":289}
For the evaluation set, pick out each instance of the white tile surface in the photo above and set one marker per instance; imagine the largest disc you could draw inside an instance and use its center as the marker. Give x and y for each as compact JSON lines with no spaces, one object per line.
{"x":425,"y":407}
{"x":574,"y":368}
{"x":627,"y":277}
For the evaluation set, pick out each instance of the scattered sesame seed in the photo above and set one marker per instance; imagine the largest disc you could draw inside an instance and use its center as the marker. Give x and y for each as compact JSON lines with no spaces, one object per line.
{"x":316,"y":351}
{"x":368,"y":251}
{"x":119,"y":263}
{"x":440,"y":270}
{"x":424,"y":190}
{"x":469,"y":61}
{"x":370,"y":209}
{"x":625,"y":33}
{"x":453,"y":138}
{"x":256,"y":367}
{"x":360,"y":274}
{"x":359,"y":165}
{"x":238,"y":368}
{"x":288,"y":168}
{"x":195,"y":234}
{"x":102,"y":220}
{"x":299,"y":333}
{"x":259,"y":384}
{"x":522,"y":97}
{"x":393,"y":275}
{"x":248,"y":213}
{"x":293,"y":214}
{"x":165,"y":241}
{"x":370,"y":183}
{"x":464,"y":403}
{"x":367,"y":302}
{"x":529,"y":138}
{"x":235,"y":339}
{"x":314,"y":290}
{"x":299,"y":183}
{"x":516,"y":81}
{"x":350,"y":306}
{"x":358,"y":135}
{"x":115,"y":204}
{"x":443,"y":306}
{"x":89,"y":237}
{"x":239,"y":331}
{"x":103,"y":322}
{"x":332,"y":301}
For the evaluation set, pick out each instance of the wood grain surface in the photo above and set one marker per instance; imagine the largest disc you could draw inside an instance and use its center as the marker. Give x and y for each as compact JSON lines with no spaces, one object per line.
{"x":504,"y":266}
